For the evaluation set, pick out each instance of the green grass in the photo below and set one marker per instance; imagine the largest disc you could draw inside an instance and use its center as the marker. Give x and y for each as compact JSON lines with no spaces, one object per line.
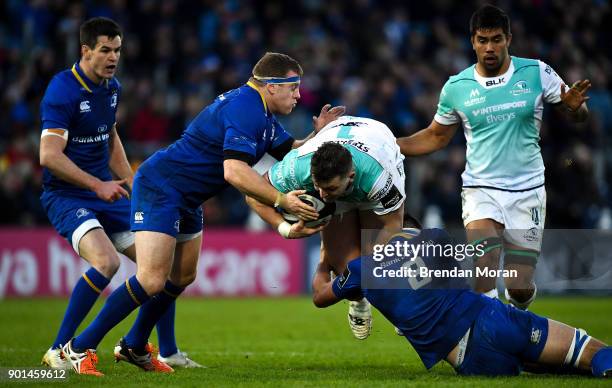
{"x":278,"y":343}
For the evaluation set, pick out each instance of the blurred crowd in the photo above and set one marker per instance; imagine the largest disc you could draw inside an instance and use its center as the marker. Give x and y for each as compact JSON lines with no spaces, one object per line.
{"x":383,"y":59}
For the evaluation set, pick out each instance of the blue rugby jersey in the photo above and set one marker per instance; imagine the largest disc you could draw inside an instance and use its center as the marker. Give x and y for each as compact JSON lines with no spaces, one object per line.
{"x":433,"y":318}
{"x":87,"y":111}
{"x":237,"y":125}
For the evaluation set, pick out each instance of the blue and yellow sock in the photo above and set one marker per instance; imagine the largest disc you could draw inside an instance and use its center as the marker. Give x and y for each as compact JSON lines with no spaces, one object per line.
{"x":84,"y":296}
{"x":148,"y":316}
{"x":118,"y":306}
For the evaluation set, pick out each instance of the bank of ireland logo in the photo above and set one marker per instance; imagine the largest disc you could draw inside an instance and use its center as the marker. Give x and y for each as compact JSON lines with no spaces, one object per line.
{"x":520,"y":87}
{"x":82,"y":213}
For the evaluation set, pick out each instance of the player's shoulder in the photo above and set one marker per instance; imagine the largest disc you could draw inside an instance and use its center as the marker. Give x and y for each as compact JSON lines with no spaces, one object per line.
{"x":62,"y":88}
{"x":523,"y":63}
{"x":243,"y":102}
{"x":460,"y":81}
{"x":465,"y":75}
{"x":114,"y":84}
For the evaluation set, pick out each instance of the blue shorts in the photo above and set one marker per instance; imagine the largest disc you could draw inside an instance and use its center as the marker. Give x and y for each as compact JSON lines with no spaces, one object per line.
{"x":501,"y":339}
{"x":161,"y":209}
{"x":73,"y":215}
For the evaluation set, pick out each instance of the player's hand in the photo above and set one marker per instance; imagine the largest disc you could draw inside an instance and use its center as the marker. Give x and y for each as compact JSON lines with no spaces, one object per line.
{"x":300,"y":230}
{"x":111,"y":191}
{"x":292,"y":204}
{"x":327,"y":115}
{"x":576,"y":95}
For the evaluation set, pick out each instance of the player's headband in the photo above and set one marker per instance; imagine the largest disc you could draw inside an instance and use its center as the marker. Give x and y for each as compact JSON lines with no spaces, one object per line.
{"x":277,"y":80}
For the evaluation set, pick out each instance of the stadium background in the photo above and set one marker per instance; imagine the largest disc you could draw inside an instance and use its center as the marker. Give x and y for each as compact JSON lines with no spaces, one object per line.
{"x":382,"y":59}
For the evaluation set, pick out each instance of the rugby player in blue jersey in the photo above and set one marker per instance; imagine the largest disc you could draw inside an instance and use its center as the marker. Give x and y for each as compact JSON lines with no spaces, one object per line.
{"x":444,"y":320}
{"x":85,"y":177}
{"x":217,"y":149}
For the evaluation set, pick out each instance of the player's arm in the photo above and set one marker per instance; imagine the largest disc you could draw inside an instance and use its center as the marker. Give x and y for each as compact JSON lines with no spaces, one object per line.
{"x":436,"y":136}
{"x":322,"y":290}
{"x":327,"y":115}
{"x":118,"y":161}
{"x":240,"y":175}
{"x":573,"y":101}
{"x":52,"y":145}
{"x":276,"y":221}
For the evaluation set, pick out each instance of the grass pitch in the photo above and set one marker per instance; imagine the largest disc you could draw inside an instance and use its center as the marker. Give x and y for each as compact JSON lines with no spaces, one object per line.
{"x":277,"y":343}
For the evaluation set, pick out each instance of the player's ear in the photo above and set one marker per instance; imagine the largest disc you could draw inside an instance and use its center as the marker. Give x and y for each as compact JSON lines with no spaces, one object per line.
{"x":86,"y":52}
{"x":508,"y":39}
{"x":271,"y":88}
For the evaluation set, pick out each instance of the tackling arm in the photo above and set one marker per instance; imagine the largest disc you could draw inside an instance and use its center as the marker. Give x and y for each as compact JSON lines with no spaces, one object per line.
{"x":240,"y":175}
{"x":274,"y":219}
{"x":322,"y":292}
{"x":428,"y":140}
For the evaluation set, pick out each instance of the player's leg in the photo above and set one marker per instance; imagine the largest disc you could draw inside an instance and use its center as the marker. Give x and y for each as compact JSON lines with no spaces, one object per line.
{"x":165,"y":328}
{"x":521,"y":290}
{"x":572,"y":350}
{"x":524,"y":215}
{"x":183,"y":273}
{"x":96,"y":248}
{"x":75,"y":220}
{"x":482,"y":218}
{"x":486,"y":232}
{"x":341,"y":242}
{"x":155,"y":252}
{"x":341,"y":239}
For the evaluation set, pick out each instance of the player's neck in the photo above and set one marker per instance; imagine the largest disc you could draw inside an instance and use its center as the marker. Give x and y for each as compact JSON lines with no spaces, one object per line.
{"x":489,"y":74}
{"x":89,"y":72}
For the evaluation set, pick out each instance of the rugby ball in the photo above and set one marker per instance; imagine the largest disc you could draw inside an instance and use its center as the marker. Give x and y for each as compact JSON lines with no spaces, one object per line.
{"x":325,"y":209}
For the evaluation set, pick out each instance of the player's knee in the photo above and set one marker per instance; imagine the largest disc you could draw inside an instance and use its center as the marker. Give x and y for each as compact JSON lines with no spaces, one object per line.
{"x":106,"y":263}
{"x":152,"y":283}
{"x":183,"y":279}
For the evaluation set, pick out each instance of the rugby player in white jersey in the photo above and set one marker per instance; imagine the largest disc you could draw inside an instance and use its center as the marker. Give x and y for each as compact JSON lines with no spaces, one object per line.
{"x":499,"y":103}
{"x":356,"y":163}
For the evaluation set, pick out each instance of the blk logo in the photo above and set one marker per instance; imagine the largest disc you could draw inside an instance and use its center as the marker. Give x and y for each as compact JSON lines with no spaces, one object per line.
{"x":495,"y":82}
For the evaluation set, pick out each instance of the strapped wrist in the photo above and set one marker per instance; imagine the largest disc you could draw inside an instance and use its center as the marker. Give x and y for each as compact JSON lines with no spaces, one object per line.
{"x":284,"y":228}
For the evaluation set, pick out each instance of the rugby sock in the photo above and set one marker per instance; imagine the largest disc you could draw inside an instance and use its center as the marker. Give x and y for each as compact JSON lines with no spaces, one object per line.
{"x":165,"y":332}
{"x":148,"y":316}
{"x":602,"y":362}
{"x":118,"y":306}
{"x":84,"y":296}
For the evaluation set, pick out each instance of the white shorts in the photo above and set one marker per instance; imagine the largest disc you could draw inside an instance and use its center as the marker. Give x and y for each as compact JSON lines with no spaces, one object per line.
{"x":522,"y":213}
